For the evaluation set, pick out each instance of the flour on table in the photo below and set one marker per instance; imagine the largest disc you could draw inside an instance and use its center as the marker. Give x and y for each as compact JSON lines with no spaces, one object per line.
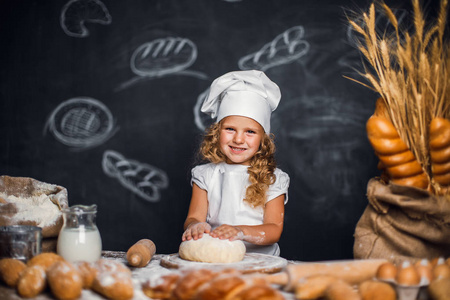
{"x":212,"y":250}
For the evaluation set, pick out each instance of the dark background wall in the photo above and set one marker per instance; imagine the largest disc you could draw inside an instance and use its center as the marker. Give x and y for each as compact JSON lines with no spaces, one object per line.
{"x":103,"y":99}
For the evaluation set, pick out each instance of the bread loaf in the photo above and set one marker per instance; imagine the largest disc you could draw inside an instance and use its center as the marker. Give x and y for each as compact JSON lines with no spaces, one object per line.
{"x":140,"y":254}
{"x":32,"y":281}
{"x":64,"y":280}
{"x":205,"y":284}
{"x":114,"y":285}
{"x":45,"y":259}
{"x":10,"y":270}
{"x":113,"y":280}
{"x":87,"y":272}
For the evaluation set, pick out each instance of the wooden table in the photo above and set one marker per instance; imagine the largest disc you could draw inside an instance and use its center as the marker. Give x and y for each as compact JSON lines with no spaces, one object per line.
{"x":139,"y":275}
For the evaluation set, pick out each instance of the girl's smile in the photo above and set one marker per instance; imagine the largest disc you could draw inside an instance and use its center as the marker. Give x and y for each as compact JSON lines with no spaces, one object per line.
{"x":240,"y":138}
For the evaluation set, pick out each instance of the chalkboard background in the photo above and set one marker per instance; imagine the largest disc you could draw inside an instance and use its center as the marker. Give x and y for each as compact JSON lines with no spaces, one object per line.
{"x":102,"y":98}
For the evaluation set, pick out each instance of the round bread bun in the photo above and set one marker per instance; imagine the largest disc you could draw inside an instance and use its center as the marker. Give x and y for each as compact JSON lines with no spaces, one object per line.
{"x":212,"y":250}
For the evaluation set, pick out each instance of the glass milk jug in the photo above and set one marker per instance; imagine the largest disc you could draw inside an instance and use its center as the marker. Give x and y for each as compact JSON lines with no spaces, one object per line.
{"x":79,"y":238}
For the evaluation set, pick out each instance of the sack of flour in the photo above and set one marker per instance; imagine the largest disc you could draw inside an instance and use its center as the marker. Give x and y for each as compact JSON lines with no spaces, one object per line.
{"x":27,"y":201}
{"x":402,"y":223}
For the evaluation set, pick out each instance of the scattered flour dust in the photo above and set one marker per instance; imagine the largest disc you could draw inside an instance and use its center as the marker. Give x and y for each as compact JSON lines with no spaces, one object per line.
{"x":39,"y":209}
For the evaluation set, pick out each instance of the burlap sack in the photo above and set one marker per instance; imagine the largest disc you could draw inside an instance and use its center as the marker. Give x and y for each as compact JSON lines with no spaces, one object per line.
{"x":23,"y":201}
{"x":402,"y":223}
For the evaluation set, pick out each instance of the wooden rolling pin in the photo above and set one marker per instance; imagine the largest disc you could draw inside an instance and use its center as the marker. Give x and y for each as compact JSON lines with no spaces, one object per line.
{"x":140,"y":254}
{"x":350,"y":271}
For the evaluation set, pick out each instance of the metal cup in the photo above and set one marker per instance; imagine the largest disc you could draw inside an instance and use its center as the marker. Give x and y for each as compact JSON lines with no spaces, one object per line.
{"x":20,"y":241}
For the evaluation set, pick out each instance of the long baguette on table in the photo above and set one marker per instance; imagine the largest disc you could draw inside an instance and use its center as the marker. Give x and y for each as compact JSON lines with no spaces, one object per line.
{"x":351,"y":271}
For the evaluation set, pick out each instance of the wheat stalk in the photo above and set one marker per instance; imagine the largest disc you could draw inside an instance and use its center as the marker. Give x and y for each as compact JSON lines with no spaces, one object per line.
{"x":410,"y":71}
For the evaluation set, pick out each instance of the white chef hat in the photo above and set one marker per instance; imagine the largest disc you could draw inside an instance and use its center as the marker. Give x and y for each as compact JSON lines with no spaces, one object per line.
{"x":243,"y":93}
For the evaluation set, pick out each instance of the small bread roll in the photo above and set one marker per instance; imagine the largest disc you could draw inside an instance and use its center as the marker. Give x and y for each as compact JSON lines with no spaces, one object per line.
{"x":87,"y":272}
{"x":376,"y":290}
{"x":45,"y":260}
{"x":64,"y":280}
{"x":161,"y":287}
{"x":10,"y":269}
{"x":32,"y":281}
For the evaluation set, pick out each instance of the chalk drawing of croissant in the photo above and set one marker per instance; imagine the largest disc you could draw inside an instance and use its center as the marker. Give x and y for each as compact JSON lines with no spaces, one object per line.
{"x":76,"y":13}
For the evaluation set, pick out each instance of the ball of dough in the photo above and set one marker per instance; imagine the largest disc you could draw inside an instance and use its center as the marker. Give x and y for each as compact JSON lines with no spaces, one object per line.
{"x":212,"y":250}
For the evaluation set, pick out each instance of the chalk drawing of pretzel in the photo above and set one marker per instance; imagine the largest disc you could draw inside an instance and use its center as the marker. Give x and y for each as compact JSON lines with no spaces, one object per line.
{"x":285,"y":48}
{"x":76,"y":13}
{"x":142,"y":179}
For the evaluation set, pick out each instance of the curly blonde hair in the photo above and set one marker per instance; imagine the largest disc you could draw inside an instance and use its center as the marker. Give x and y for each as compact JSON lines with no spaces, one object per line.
{"x":262,"y":164}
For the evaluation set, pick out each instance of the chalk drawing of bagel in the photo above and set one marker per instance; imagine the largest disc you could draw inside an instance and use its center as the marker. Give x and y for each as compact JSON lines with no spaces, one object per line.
{"x":163,"y":57}
{"x":285,"y":48}
{"x":142,"y":179}
{"x":76,"y":13}
{"x":81,"y":123}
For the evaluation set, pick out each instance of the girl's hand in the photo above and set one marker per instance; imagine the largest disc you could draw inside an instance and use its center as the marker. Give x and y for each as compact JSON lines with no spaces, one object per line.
{"x":229,"y":232}
{"x":195,"y":231}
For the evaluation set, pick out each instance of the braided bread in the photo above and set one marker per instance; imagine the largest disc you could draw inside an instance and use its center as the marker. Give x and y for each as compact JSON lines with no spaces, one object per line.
{"x":440,"y":151}
{"x":395,"y":157}
{"x":205,"y":284}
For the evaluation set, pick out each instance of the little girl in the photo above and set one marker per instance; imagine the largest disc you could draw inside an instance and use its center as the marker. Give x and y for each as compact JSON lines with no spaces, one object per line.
{"x":239,"y":194}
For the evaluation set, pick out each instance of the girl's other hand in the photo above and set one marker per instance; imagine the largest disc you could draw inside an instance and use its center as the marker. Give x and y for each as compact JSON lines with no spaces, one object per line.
{"x":195,"y":231}
{"x":228,"y":232}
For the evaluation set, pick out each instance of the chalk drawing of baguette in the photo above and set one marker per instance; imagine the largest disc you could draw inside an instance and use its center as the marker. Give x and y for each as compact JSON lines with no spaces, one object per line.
{"x":285,"y":48}
{"x":162,"y":57}
{"x":142,"y":179}
{"x":76,"y":13}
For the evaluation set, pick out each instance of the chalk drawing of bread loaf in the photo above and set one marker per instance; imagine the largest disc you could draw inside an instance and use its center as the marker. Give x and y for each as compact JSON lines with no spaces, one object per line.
{"x":163,"y":56}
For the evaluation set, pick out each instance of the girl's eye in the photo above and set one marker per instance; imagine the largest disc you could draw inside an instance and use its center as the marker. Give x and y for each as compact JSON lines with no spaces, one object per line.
{"x":251,"y":131}
{"x":229,"y":129}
